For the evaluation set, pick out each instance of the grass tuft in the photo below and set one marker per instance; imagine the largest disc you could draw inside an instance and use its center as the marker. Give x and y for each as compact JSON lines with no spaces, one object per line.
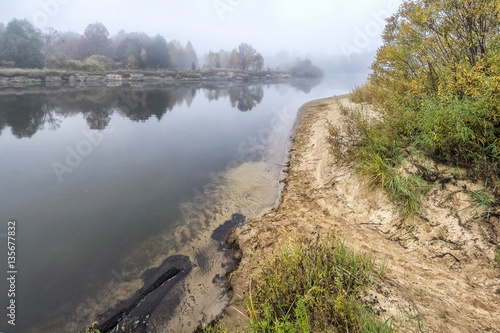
{"x":482,"y":199}
{"x":313,"y":287}
{"x":408,"y":191}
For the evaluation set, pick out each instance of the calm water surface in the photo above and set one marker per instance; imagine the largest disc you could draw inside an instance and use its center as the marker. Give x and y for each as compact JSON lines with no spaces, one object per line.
{"x":95,"y":176}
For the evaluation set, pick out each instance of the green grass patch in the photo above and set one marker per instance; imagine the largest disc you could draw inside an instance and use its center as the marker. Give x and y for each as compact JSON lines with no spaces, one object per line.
{"x":378,"y":155}
{"x":482,"y":199}
{"x":313,"y":288}
{"x":408,"y":191}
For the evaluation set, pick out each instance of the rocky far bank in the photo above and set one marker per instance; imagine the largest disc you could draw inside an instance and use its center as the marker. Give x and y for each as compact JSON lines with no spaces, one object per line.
{"x":18,"y":78}
{"x":441,"y":273}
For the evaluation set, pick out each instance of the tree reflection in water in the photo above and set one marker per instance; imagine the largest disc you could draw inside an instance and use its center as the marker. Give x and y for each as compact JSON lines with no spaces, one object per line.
{"x":28,"y":112}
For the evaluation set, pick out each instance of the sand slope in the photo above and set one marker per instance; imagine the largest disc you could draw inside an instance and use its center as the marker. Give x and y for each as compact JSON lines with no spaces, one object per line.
{"x":441,"y":276}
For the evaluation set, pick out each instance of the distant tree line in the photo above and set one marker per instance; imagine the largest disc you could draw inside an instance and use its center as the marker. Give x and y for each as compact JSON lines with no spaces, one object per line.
{"x":245,"y":57}
{"x":24,"y":46}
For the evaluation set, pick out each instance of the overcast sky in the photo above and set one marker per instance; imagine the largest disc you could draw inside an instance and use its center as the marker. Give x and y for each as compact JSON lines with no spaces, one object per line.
{"x":301,"y":27}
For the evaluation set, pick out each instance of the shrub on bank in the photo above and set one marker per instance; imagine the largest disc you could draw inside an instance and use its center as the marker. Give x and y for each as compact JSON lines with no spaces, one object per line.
{"x":30,"y":73}
{"x":313,"y":288}
{"x":99,"y":63}
{"x":436,"y":85}
{"x":94,"y":63}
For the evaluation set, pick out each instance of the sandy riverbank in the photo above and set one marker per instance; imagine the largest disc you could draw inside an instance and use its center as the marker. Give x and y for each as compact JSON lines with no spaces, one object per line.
{"x":441,"y":275}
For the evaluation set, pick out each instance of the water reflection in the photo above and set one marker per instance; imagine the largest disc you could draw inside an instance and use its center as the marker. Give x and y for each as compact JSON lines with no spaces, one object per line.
{"x":306,"y":85}
{"x":244,"y":98}
{"x":27,"y":113}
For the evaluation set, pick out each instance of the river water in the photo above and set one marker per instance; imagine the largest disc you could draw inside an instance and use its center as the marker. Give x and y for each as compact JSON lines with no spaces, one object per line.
{"x":106,"y":182}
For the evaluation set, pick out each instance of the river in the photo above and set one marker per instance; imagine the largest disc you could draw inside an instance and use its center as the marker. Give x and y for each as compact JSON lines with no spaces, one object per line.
{"x":107,"y":182}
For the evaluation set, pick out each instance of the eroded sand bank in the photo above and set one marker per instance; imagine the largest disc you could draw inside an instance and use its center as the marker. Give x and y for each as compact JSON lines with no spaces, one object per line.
{"x":441,"y":275}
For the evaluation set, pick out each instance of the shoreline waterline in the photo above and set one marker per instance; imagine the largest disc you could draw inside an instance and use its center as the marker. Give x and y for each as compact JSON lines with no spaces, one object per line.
{"x":250,"y":188}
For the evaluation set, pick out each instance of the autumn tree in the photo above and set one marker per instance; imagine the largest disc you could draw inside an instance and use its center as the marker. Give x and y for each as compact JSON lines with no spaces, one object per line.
{"x":175,"y":51}
{"x":427,"y":43}
{"x":212,"y":60}
{"x":157,"y":54}
{"x":69,"y":45}
{"x":224,"y":58}
{"x":182,"y":57}
{"x":234,"y":59}
{"x":128,"y":48}
{"x":219,"y":59}
{"x":259,"y":62}
{"x":22,"y":44}
{"x":246,"y":56}
{"x":189,"y":57}
{"x":436,"y":80}
{"x":97,"y":38}
{"x":49,"y":37}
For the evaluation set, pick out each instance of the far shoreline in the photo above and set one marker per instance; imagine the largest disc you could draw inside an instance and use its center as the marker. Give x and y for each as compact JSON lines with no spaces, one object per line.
{"x":25,"y":78}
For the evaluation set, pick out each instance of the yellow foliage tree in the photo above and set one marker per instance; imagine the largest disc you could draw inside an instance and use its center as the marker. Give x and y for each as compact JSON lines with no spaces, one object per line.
{"x":438,"y":46}
{"x":437,"y":80}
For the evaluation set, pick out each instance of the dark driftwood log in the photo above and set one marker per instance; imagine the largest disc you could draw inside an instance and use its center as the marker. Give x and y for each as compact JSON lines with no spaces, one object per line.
{"x":131,"y":315}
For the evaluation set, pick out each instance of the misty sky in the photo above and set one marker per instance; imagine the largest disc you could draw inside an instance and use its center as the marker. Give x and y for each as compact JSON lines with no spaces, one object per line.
{"x":301,"y":27}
